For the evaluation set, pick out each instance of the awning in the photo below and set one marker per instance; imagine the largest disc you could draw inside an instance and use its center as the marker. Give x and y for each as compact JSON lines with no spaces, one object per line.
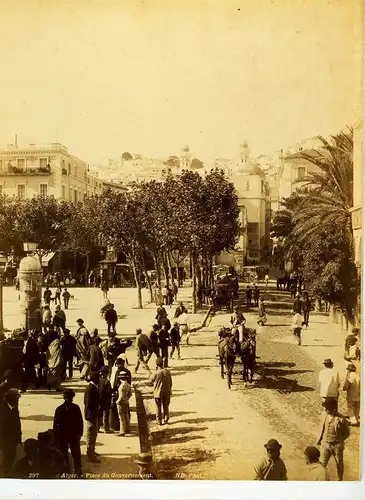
{"x":46,"y":258}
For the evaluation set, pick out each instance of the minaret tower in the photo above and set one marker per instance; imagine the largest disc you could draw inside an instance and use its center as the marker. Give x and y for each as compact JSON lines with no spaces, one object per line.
{"x":244,"y":153}
{"x":185,"y":159}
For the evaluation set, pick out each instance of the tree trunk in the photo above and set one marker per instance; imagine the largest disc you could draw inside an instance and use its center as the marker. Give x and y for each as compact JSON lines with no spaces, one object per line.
{"x":158,"y":270}
{"x":165,"y":270}
{"x":149,"y":284}
{"x":87,"y":268}
{"x":75,"y":263}
{"x":211,"y":277}
{"x":138,"y":285}
{"x":169,"y":266}
{"x":193,"y":277}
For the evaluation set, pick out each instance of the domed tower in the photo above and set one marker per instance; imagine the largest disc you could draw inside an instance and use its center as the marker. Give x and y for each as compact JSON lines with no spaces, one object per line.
{"x":185,"y":158}
{"x":244,"y":153}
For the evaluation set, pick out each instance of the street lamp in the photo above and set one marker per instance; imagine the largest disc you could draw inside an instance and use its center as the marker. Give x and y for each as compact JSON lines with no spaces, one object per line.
{"x":3,"y":261}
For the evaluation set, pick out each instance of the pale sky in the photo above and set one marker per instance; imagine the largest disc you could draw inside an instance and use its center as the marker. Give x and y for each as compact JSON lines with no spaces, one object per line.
{"x":150,"y":76}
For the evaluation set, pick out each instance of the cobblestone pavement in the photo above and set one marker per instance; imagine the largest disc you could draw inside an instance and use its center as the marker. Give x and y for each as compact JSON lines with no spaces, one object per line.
{"x":213,"y":433}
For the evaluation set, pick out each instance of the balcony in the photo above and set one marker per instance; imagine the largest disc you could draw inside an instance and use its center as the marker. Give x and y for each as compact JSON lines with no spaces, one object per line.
{"x":13,"y":170}
{"x":64,"y":171}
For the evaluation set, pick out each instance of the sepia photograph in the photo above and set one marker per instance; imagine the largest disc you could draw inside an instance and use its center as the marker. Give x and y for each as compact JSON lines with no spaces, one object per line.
{"x":181,"y":240}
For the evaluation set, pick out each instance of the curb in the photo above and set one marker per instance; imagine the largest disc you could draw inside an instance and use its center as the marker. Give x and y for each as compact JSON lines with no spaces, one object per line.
{"x":145,"y":461}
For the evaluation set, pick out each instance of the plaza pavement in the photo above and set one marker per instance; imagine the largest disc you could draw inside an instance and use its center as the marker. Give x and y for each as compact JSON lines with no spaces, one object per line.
{"x":213,"y":433}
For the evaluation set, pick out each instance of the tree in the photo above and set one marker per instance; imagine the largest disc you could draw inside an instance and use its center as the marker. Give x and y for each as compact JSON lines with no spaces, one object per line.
{"x":43,"y":221}
{"x":196,"y":164}
{"x":10,"y":239}
{"x":82,"y":231}
{"x":120,"y":225}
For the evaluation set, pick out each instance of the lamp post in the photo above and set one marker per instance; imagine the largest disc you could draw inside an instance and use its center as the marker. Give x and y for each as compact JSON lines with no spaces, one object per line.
{"x":3,"y":261}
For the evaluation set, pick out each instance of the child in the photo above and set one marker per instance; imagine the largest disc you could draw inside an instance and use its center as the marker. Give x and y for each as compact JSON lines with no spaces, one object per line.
{"x":124,"y":395}
{"x":297,"y":327}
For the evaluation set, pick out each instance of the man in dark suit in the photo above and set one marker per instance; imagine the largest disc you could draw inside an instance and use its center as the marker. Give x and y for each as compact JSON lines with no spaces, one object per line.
{"x":31,"y":358}
{"x":68,"y":344}
{"x":95,"y":356}
{"x":10,"y":429}
{"x":92,"y":405}
{"x":68,"y":428}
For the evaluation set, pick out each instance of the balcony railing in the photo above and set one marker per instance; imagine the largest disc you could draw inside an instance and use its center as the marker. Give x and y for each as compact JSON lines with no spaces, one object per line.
{"x":13,"y":170}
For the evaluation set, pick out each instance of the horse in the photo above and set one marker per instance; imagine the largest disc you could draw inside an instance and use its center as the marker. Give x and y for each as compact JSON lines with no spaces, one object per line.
{"x":248,"y":358}
{"x":227,"y":349}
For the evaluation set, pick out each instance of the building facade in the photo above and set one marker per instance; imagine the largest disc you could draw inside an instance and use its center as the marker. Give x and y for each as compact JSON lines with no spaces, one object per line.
{"x":46,"y":170}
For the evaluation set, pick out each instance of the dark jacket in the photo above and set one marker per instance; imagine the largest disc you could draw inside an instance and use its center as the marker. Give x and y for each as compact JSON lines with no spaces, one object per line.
{"x":23,"y":469}
{"x":111,"y":316}
{"x":175,"y":335}
{"x":297,"y":306}
{"x":59,"y":319}
{"x":91,"y":402}
{"x":154,"y":337}
{"x":307,"y":305}
{"x":164,"y":339}
{"x":68,"y":345}
{"x":10,"y":426}
{"x":105,"y":393}
{"x":67,"y":423}
{"x":95,"y":357}
{"x":31,"y":351}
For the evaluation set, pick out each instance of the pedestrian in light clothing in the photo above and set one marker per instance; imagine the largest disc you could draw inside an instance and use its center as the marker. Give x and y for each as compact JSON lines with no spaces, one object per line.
{"x":297,"y":327}
{"x":124,"y":395}
{"x":68,"y":428}
{"x":334,"y":431}
{"x":57,"y":297}
{"x":329,"y":381}
{"x":162,"y":387}
{"x":352,"y":388}
{"x":92,"y":405}
{"x":272,"y":467}
{"x":316,"y":471}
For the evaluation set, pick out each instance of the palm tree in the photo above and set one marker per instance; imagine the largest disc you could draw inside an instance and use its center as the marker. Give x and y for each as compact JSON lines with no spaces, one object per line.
{"x":330,"y":197}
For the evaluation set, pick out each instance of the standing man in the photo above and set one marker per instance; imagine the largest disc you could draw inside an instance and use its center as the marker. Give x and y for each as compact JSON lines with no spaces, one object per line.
{"x":83,"y":342}
{"x":352,"y":388}
{"x":175,"y":339}
{"x":272,"y":467}
{"x":92,"y":405}
{"x":248,"y":296}
{"x":47,"y":318}
{"x":124,"y":395}
{"x":329,"y":381}
{"x":307,"y":305}
{"x":59,"y":320}
{"x":105,"y":393}
{"x":256,"y":294}
{"x":95,"y":356}
{"x":68,"y":346}
{"x":164,"y":341}
{"x":175,"y":290}
{"x":155,"y":348}
{"x":47,"y":295}
{"x":68,"y":428}
{"x":57,"y":297}
{"x":66,"y":298}
{"x":10,"y":429}
{"x":105,"y":289}
{"x":316,"y":471}
{"x":334,"y":432}
{"x":111,"y":318}
{"x":31,"y":358}
{"x":164,"y":292}
{"x":162,"y":387}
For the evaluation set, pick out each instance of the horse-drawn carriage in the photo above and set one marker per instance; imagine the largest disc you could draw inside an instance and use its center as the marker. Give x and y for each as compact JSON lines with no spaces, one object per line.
{"x":222,"y":296}
{"x":237,"y":341}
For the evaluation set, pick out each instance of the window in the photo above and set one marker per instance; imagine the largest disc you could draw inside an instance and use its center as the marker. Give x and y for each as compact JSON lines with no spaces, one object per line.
{"x":75,"y":171}
{"x":262,"y":186}
{"x":69,"y":168}
{"x":20,"y":163}
{"x":247,"y":186}
{"x":75,"y":195}
{"x":43,"y":162}
{"x":70,"y":194}
{"x":302,"y":173}
{"x":1,"y":165}
{"x":43,"y":190}
{"x":21,"y":191}
{"x":252,"y":227}
{"x":63,"y":192}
